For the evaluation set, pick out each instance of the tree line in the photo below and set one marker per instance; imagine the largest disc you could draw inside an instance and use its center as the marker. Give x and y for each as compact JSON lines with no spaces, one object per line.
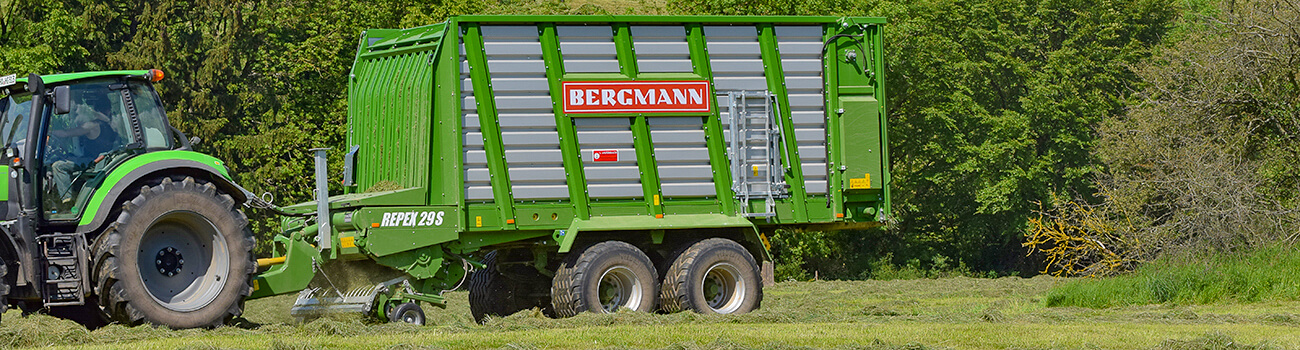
{"x":1005,"y":114}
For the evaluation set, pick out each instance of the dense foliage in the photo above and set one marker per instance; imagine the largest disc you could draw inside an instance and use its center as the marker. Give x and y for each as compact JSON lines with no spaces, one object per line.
{"x":1207,"y":157}
{"x":995,"y":104}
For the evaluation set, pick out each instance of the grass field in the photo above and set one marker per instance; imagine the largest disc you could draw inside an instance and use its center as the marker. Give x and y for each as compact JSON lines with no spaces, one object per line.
{"x":956,"y":313}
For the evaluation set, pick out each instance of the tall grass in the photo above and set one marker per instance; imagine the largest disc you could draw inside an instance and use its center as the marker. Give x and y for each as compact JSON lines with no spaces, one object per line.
{"x":1264,"y":275}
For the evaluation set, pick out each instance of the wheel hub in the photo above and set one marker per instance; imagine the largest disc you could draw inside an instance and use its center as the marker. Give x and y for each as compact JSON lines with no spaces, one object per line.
{"x":169,"y":261}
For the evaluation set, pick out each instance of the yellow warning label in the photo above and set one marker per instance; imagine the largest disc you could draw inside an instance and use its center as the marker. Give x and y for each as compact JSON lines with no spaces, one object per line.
{"x":478,"y":221}
{"x":348,"y":242}
{"x":656,"y":199}
{"x":755,"y":168}
{"x":860,"y":184}
{"x":255,"y":285}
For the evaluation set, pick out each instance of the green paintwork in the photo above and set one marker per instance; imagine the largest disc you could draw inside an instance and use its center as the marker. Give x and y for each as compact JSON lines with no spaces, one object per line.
{"x":641,"y":223}
{"x":574,"y":176}
{"x":408,"y":197}
{"x":790,"y":157}
{"x":405,"y":113}
{"x":54,"y":79}
{"x":487,"y":113}
{"x":4,"y":182}
{"x":118,"y":174}
{"x":291,"y":276}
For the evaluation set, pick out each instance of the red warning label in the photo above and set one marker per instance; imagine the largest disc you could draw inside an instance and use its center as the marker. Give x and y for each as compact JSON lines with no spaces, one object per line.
{"x":604,"y":155}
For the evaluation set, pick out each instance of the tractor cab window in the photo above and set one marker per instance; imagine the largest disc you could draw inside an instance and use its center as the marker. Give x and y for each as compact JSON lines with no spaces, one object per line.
{"x":83,"y":145}
{"x":16,"y":110}
{"x":153,"y":120}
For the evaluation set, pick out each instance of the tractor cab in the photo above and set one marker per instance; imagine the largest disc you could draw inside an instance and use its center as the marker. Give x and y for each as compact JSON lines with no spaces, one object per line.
{"x":89,"y":124}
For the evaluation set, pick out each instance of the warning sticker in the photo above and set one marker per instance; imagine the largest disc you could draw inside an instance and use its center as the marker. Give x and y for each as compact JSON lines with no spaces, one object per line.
{"x":636,"y":96}
{"x":604,"y":155}
{"x":863,"y":183}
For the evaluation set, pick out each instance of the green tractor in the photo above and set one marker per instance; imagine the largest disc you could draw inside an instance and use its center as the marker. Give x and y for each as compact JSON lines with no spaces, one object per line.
{"x":107,"y":213}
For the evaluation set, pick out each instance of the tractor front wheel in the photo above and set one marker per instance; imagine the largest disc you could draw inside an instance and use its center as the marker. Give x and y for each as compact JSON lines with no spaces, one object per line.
{"x":180,"y":255}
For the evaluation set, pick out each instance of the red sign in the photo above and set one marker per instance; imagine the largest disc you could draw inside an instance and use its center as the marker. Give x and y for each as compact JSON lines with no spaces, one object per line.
{"x":604,"y":155}
{"x":636,"y":96}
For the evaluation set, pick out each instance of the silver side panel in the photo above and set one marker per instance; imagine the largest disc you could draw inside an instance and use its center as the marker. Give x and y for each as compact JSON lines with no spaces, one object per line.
{"x":588,"y":49}
{"x":620,"y":179}
{"x":661,"y":49}
{"x":524,"y":113}
{"x":800,"y":48}
{"x":682,"y":156}
{"x":478,"y":187}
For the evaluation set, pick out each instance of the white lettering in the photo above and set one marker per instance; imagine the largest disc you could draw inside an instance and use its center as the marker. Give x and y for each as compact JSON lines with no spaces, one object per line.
{"x":697,"y":96}
{"x":575,"y":97}
{"x":607,"y":97}
{"x":663,"y":98}
{"x":647,"y":99}
{"x":625,"y":97}
{"x":387,"y":220}
{"x":593,"y":97}
{"x":437,"y":221}
{"x":680,"y":96}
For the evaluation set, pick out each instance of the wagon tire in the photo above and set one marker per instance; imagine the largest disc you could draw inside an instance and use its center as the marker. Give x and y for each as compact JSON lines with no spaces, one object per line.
{"x":490,"y":293}
{"x":604,"y":277}
{"x":140,"y":272}
{"x":713,"y":276}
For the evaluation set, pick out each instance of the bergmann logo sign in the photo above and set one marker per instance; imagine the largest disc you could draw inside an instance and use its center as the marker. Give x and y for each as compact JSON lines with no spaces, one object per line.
{"x":636,"y":97}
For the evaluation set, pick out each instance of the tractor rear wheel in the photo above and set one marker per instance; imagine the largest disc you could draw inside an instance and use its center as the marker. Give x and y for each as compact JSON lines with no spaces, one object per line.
{"x":605,"y":277}
{"x":179,"y":255}
{"x":4,"y":287}
{"x":713,"y":276}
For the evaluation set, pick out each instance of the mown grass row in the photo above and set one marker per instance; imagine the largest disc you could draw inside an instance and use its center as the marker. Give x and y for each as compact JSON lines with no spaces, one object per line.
{"x":1271,"y":274}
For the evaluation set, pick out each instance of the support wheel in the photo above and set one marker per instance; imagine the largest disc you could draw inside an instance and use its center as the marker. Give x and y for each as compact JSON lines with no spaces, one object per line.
{"x":407,"y":313}
{"x":180,"y":255}
{"x":605,"y":277}
{"x":713,"y":276}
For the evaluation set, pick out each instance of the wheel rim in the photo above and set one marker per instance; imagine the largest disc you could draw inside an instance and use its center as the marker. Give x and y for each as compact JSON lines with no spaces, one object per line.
{"x":410,"y":316}
{"x":183,"y":261}
{"x":619,"y":288}
{"x":723,"y":289}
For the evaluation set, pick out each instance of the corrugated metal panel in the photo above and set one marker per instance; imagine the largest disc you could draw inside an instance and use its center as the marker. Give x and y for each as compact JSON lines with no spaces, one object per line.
{"x":477,"y":180}
{"x":588,"y":49}
{"x":800,"y":48}
{"x":737,"y":62}
{"x":390,"y":118}
{"x":609,"y":179}
{"x":682,"y":156}
{"x":661,"y":49}
{"x":524,"y":112}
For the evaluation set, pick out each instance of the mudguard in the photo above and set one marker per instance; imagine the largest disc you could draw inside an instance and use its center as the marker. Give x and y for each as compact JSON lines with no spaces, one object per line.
{"x":149,"y":165}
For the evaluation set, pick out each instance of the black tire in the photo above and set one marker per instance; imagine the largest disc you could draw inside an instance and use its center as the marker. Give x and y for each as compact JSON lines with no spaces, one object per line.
{"x":609,"y":265}
{"x":4,"y":287}
{"x":407,"y":313}
{"x":165,"y":223}
{"x":490,"y":294}
{"x":720,"y":265}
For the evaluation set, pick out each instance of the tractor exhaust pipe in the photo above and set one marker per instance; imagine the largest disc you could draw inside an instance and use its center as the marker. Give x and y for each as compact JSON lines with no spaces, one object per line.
{"x":322,"y":200}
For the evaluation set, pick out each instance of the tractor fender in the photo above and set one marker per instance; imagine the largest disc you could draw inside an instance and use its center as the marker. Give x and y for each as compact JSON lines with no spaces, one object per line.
{"x":135,"y":171}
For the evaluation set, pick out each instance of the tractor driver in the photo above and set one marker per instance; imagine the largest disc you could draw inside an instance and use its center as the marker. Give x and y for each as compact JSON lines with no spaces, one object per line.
{"x":92,"y":130}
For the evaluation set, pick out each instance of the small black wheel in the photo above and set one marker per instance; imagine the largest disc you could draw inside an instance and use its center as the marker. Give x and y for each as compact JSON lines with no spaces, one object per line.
{"x":605,"y":277}
{"x":713,"y":276}
{"x":407,"y":313}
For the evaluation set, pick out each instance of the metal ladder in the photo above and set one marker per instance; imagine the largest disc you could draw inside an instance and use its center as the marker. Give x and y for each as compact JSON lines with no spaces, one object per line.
{"x":756,"y":140}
